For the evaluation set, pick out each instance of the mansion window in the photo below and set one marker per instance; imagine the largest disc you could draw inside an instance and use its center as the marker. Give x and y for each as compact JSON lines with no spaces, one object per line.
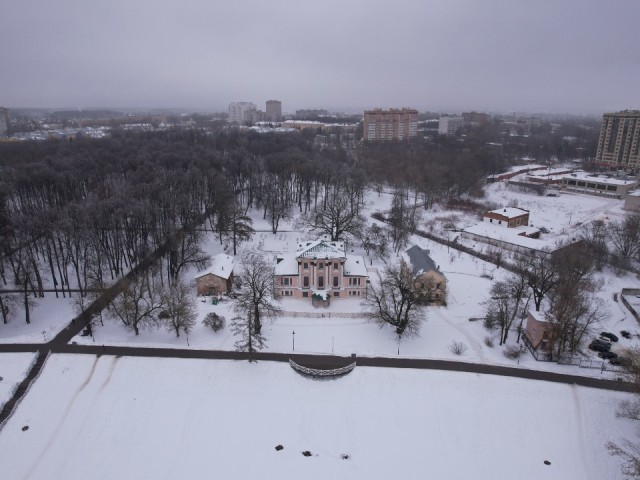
{"x":305,"y":265}
{"x":305,"y":282}
{"x":335,"y":266}
{"x":336,"y":282}
{"x":286,"y":281}
{"x":320,"y":282}
{"x":354,"y":282}
{"x":305,"y":294}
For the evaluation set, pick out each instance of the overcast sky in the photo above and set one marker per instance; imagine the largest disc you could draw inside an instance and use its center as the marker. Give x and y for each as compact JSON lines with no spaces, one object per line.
{"x":575,"y":56}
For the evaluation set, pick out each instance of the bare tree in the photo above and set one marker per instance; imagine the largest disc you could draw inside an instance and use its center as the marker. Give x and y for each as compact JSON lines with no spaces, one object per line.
{"x":138,"y":305}
{"x":235,"y":226}
{"x":595,"y":238}
{"x":255,"y":299}
{"x":505,"y":305}
{"x":188,"y":252}
{"x":339,"y":214}
{"x":403,"y":220}
{"x":396,"y":302}
{"x":249,"y":339}
{"x":376,"y":242}
{"x":625,"y":236}
{"x":630,"y":455}
{"x":540,"y":273}
{"x":180,"y":311}
{"x":572,"y":316}
{"x":8,"y":305}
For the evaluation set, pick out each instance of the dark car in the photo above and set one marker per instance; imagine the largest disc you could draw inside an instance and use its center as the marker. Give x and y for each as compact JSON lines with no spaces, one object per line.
{"x":608,"y":355}
{"x":610,"y":336}
{"x":599,"y":346}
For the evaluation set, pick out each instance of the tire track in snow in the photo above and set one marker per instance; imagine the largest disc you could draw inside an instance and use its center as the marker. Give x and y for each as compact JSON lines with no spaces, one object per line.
{"x":475,"y":346}
{"x":586,"y":459}
{"x":62,"y":419}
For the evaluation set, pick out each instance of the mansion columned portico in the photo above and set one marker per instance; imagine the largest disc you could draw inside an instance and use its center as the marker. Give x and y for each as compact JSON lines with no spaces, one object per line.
{"x":321,"y":267}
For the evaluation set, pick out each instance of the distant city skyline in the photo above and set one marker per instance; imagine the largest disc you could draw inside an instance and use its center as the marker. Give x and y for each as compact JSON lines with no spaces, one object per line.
{"x":573,"y":56}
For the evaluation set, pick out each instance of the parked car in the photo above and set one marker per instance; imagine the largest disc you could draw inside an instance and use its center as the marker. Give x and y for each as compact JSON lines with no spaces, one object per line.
{"x":610,"y":336}
{"x":599,"y":346}
{"x":607,"y":355}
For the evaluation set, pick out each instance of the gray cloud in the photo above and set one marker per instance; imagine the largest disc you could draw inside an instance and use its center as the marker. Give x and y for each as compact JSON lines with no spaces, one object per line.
{"x":557,"y":56}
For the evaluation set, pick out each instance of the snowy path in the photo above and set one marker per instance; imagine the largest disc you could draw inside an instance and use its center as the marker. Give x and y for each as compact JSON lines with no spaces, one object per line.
{"x":331,"y":361}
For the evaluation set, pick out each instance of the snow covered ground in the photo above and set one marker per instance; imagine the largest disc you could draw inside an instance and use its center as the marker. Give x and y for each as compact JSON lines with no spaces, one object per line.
{"x":141,"y":418}
{"x":13,"y":369}
{"x":343,"y":330}
{"x":48,"y":316}
{"x":134,"y":418}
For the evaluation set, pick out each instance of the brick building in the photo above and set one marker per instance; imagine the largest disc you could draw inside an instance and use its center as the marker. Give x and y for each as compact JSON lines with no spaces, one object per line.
{"x":398,"y":125}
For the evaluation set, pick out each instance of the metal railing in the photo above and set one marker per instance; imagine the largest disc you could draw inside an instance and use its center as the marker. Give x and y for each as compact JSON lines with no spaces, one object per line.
{"x":315,"y":372}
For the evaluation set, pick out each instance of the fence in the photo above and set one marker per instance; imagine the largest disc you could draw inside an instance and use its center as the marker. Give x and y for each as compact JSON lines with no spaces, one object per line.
{"x":568,"y":359}
{"x":324,"y":315}
{"x":539,"y":356}
{"x":630,"y":292}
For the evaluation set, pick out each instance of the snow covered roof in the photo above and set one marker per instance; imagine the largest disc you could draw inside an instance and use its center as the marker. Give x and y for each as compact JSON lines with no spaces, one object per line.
{"x":354,"y":266}
{"x":222,"y":266}
{"x":598,"y":179}
{"x":420,"y":260}
{"x":286,"y":265}
{"x":539,"y":316}
{"x":511,"y":235}
{"x":509,"y":212}
{"x":320,"y":248}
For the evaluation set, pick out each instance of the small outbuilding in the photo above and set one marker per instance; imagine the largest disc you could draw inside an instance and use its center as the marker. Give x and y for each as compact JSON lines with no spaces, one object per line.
{"x":218,"y":279}
{"x":509,"y":217}
{"x":537,"y":333}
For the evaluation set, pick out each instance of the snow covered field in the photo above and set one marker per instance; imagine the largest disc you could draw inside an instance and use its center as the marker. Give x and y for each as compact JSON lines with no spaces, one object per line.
{"x":343,"y":330}
{"x":132,"y":418}
{"x":13,"y":368}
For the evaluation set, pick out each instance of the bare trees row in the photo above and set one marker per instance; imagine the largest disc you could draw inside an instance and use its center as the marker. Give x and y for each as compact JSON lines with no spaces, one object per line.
{"x":144,"y":303}
{"x":563,"y":281}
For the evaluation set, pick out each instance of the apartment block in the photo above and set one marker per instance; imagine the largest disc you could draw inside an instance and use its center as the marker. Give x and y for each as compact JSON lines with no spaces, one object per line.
{"x":450,"y":125}
{"x":241,"y":112}
{"x":273,"y":110}
{"x":619,"y":142}
{"x":390,"y":125}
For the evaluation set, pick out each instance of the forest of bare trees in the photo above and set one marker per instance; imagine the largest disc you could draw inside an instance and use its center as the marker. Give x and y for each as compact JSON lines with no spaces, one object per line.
{"x":76,"y":216}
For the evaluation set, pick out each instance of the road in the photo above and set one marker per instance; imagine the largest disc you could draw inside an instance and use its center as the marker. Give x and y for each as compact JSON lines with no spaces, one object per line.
{"x":328,"y":361}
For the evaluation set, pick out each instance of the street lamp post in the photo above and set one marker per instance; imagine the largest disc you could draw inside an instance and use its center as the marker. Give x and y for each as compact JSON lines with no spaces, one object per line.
{"x":293,"y":339}
{"x":399,"y":339}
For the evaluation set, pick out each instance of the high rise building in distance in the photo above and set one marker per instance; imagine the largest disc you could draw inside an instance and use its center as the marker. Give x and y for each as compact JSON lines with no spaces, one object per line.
{"x":619,"y":141}
{"x":450,"y":125}
{"x":390,"y":125}
{"x":273,"y":110}
{"x":241,"y":112}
